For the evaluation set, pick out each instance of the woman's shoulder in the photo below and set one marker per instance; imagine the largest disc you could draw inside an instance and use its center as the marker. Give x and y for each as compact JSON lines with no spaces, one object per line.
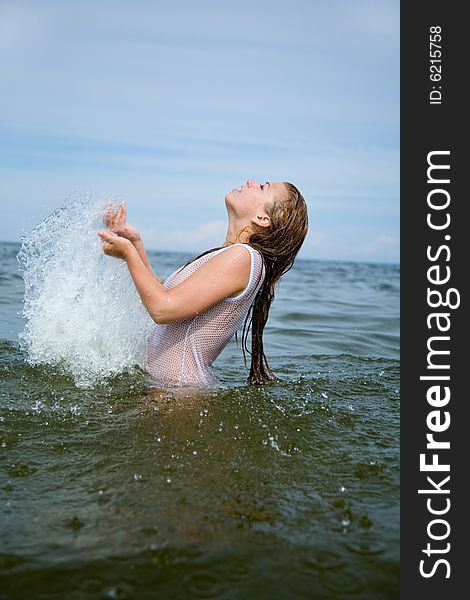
{"x":225,"y":259}
{"x":242,"y":249}
{"x":244,"y":254}
{"x":252,"y":261}
{"x":237,"y":255}
{"x":241,"y":256}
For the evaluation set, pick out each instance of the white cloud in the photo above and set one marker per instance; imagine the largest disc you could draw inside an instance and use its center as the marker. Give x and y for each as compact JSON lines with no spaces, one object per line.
{"x":204,"y":236}
{"x":385,"y":246}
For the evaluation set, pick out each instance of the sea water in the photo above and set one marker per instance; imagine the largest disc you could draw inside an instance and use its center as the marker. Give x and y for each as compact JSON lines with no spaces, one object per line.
{"x":108,"y":490}
{"x":82,"y":312}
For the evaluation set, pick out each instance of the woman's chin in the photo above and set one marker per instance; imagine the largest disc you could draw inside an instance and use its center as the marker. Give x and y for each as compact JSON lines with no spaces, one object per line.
{"x":232,"y":194}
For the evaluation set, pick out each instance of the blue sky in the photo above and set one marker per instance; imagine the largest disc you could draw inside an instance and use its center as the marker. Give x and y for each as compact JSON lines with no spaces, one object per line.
{"x":171,"y":105}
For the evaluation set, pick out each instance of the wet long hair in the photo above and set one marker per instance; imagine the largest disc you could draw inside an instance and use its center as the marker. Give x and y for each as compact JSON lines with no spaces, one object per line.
{"x":278,"y":244}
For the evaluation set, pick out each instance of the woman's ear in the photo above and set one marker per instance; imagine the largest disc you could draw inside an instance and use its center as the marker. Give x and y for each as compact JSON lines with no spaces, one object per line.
{"x":262,"y":220}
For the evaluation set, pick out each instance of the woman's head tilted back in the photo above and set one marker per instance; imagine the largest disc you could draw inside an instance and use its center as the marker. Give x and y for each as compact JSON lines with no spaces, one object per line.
{"x":272,"y":215}
{"x":278,"y":239}
{"x":281,"y":240}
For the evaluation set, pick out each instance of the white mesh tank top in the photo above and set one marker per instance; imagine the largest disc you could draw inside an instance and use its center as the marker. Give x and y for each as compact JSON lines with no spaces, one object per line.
{"x":181,"y":353}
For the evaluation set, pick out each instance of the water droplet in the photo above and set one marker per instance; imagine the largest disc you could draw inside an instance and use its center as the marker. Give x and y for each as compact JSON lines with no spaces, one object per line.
{"x":168,"y":480}
{"x":365,"y":522}
{"x":137,"y":477}
{"x":345,"y":522}
{"x":195,"y":452}
{"x":75,"y":523}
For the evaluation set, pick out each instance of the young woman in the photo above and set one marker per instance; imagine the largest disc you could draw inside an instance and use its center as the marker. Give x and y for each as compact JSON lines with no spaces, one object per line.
{"x":199,"y":307}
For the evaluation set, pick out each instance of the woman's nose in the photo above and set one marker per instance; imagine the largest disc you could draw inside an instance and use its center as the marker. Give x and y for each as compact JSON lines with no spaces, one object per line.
{"x":250,"y":183}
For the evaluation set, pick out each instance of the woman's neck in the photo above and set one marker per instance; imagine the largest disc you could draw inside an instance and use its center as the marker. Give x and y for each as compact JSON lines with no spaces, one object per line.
{"x":237,"y":233}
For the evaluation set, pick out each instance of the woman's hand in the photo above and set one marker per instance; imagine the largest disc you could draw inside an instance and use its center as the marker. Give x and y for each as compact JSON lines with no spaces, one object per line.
{"x":115,"y":245}
{"x":116,"y":222}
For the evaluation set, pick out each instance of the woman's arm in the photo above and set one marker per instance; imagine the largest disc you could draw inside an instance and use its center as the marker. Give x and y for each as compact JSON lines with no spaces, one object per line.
{"x":116,"y":222}
{"x":139,"y":246}
{"x":225,"y":275}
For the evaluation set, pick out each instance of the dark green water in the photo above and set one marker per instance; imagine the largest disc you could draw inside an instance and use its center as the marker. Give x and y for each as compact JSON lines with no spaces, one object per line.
{"x":285,"y":491}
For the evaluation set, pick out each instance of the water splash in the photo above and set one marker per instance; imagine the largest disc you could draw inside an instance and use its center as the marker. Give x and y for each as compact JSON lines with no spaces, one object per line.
{"x":81,"y":309}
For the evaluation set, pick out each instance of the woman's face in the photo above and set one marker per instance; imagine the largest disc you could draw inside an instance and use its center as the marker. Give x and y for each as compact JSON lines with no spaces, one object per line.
{"x":252,"y":198}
